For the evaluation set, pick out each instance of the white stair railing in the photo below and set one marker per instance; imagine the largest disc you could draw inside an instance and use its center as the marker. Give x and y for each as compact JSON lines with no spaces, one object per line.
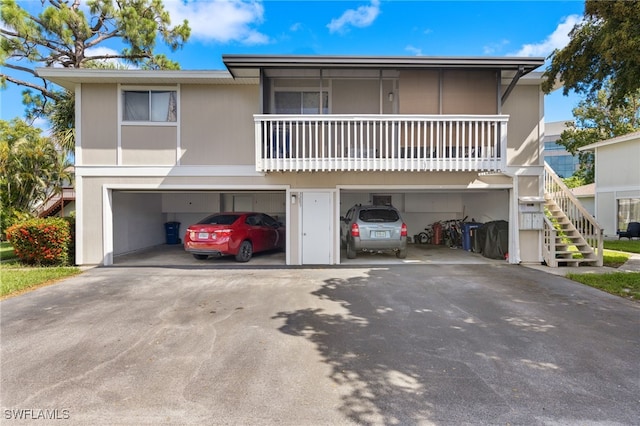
{"x":582,"y":220}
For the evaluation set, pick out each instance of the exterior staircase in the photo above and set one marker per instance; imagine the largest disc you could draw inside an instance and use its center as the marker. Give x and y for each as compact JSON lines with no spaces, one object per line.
{"x":571,"y":236}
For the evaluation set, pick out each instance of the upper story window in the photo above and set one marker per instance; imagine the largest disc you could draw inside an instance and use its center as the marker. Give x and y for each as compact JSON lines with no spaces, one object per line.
{"x":150,"y":105}
{"x":301,"y":102}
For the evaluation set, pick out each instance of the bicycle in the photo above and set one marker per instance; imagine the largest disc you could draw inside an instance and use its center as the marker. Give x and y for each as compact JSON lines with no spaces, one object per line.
{"x":424,"y":237}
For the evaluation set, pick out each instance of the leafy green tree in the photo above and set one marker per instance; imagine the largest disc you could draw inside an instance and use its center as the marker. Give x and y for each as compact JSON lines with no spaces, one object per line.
{"x":604,"y":46}
{"x":596,"y":120}
{"x":67,"y":34}
{"x":31,"y":167}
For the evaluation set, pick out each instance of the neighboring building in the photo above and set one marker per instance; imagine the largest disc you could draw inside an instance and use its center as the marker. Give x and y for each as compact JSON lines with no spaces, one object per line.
{"x":60,"y":203}
{"x":586,"y":194}
{"x":304,"y":138}
{"x":557,"y":157}
{"x":617,"y":181}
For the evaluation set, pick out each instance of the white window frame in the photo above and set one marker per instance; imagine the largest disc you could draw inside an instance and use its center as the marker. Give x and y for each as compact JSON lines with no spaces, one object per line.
{"x":617,"y":216}
{"x":121,"y":123}
{"x":149,"y":89}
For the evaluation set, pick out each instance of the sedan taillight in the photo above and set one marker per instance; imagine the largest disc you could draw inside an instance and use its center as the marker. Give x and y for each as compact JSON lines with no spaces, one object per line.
{"x":355,"y":230}
{"x":403,"y":230}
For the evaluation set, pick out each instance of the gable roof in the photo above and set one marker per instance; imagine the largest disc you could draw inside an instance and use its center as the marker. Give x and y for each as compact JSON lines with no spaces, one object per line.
{"x":612,"y":141}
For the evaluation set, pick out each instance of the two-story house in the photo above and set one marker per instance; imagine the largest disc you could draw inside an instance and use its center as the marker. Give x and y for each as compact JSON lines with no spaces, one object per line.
{"x":304,"y":138}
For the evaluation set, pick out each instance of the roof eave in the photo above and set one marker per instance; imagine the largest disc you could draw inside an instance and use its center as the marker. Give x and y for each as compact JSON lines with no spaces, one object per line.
{"x":249,"y":63}
{"x":612,"y":141}
{"x":69,"y":78}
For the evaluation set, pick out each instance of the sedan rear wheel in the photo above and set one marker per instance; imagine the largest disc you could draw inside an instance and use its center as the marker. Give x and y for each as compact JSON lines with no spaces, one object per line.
{"x":245,"y":252}
{"x":200,"y":256}
{"x":401,"y":254}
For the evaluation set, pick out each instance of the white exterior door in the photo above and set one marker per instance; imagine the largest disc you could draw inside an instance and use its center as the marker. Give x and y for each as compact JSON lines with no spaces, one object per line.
{"x":317,"y":228}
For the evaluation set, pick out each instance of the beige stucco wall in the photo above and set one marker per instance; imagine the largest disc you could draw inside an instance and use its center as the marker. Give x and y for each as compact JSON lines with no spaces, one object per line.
{"x":355,"y":97}
{"x":216,"y":128}
{"x":463,"y":92}
{"x":216,"y":125}
{"x":149,"y":145}
{"x":211,"y":117}
{"x":99,"y":125}
{"x":469,"y":92}
{"x":419,"y":92}
{"x":524,"y":107}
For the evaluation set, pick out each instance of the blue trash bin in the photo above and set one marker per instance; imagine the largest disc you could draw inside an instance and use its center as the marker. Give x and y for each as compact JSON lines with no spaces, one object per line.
{"x":172,"y":230}
{"x":468,"y":231}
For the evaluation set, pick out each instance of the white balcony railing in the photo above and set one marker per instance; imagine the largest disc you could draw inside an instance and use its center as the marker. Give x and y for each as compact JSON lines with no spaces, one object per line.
{"x":380,"y":142}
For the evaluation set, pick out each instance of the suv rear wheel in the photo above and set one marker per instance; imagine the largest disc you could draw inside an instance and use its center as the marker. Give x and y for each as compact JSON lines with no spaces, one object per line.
{"x":351,"y":251}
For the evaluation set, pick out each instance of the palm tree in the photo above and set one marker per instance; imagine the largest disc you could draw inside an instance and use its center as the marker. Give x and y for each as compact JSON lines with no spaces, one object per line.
{"x":30,"y":163}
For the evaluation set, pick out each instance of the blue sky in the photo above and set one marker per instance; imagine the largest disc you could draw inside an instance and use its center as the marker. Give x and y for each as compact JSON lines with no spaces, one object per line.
{"x":374,"y":27}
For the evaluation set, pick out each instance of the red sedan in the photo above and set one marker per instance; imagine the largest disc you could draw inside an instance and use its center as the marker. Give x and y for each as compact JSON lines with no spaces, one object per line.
{"x":234,"y":233}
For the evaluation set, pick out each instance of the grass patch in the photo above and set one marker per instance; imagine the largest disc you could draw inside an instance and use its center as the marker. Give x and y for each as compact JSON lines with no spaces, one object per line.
{"x":610,"y":258}
{"x":614,"y":259}
{"x":17,"y":280}
{"x":623,"y":284}
{"x":632,"y":246}
{"x":6,"y":251}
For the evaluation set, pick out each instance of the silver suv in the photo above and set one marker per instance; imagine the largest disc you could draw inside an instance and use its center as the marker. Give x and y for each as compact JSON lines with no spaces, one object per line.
{"x":373,"y":229}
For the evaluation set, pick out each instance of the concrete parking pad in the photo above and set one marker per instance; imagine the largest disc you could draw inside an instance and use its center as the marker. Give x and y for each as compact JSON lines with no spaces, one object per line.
{"x":410,"y":344}
{"x":418,"y":254}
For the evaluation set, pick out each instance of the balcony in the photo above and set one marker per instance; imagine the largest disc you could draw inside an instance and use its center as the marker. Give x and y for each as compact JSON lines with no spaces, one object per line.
{"x":417,"y":143}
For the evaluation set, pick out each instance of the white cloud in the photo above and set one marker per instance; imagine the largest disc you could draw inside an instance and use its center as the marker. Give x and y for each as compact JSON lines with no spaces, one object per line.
{"x":104,"y":51}
{"x":557,"y":40}
{"x":360,"y":17}
{"x":495,"y":47}
{"x":220,"y":20}
{"x":414,"y":50}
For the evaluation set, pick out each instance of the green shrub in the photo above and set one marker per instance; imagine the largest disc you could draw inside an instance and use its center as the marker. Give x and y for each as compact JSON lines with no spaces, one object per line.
{"x":71,"y":247}
{"x":41,"y":241}
{"x":9,"y":217}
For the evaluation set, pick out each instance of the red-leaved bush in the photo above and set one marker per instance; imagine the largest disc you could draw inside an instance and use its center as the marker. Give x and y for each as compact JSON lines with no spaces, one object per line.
{"x":41,"y":241}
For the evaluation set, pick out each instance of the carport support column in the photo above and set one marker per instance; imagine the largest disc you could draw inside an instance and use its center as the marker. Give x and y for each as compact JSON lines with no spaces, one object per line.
{"x":107,"y":226}
{"x":514,"y":223}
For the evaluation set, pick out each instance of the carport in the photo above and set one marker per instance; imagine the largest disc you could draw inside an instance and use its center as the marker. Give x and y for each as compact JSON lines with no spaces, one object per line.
{"x":421,"y":207}
{"x":135,"y":217}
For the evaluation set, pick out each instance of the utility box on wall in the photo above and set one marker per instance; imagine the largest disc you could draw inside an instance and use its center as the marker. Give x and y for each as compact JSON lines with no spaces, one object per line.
{"x":531,"y":213}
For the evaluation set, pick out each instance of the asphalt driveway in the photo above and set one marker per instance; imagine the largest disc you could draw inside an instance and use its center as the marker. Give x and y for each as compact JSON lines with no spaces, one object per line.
{"x":424,"y":344}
